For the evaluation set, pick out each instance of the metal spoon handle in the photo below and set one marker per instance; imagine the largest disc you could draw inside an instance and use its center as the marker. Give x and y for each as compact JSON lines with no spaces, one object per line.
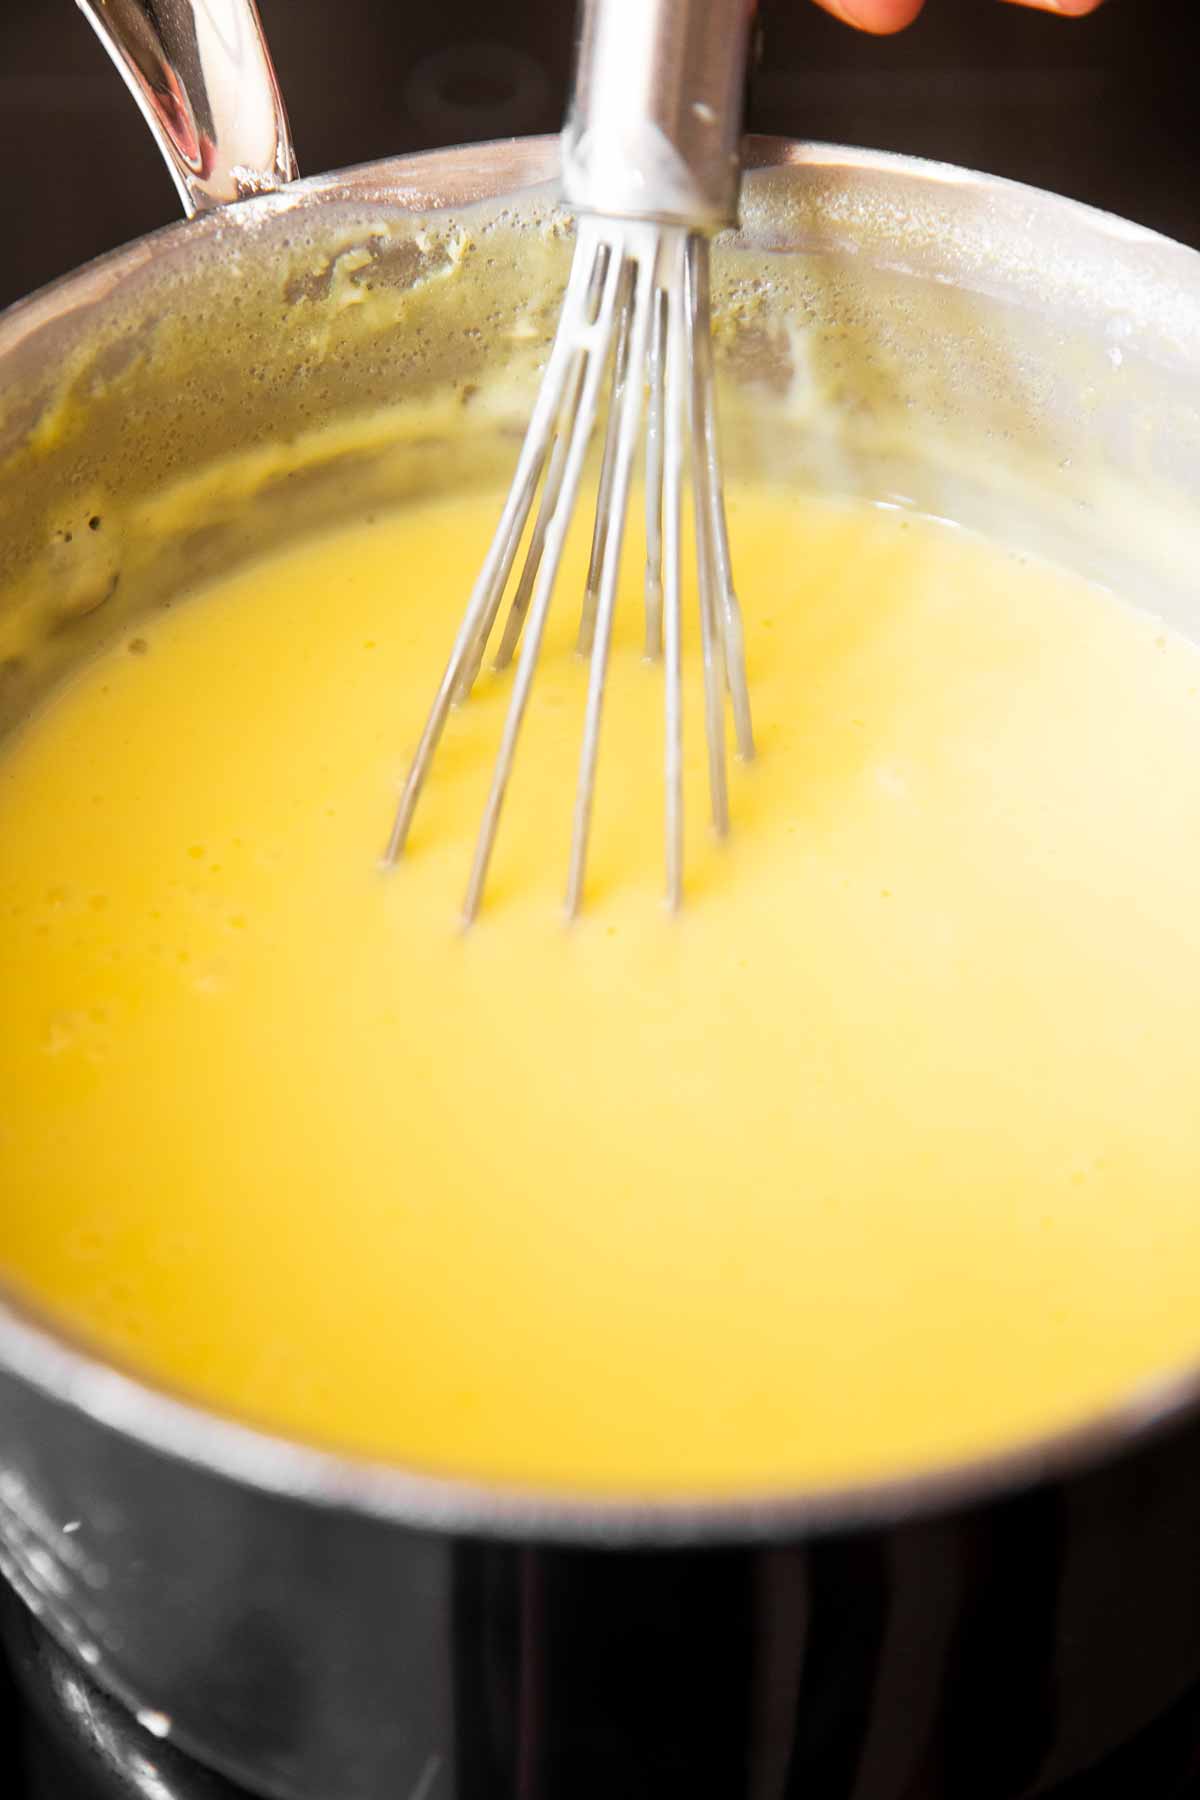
{"x":202,"y":75}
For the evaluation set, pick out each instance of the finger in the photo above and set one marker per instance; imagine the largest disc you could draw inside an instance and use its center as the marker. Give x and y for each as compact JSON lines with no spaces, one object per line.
{"x":874,"y":15}
{"x":1070,"y":9}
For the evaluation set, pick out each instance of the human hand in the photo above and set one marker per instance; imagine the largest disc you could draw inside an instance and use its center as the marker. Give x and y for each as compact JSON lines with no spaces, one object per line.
{"x":893,"y":15}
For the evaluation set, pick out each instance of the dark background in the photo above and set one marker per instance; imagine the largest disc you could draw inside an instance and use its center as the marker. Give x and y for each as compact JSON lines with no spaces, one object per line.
{"x":1104,"y":108}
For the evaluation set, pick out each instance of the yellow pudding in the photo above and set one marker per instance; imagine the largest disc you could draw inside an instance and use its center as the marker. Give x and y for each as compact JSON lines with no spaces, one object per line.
{"x":885,"y":1152}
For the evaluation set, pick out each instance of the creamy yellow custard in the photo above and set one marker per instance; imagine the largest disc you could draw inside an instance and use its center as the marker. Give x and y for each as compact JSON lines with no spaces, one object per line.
{"x":885,"y":1152}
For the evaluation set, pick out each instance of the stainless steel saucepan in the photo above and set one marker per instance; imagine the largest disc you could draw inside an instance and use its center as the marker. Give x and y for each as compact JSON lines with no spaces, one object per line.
{"x":326,"y":1629}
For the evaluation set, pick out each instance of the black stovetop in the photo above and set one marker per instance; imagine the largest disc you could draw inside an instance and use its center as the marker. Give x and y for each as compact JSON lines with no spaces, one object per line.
{"x":1104,"y":110}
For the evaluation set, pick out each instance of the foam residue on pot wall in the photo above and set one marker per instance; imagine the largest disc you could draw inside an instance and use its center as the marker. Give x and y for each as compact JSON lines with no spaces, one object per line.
{"x":920,"y":336}
{"x":222,"y":399}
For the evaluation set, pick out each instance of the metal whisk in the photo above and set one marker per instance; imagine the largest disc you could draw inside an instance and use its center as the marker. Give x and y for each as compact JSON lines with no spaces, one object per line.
{"x":651,"y":165}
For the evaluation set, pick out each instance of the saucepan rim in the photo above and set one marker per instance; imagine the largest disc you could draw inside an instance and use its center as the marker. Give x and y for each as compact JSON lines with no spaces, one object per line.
{"x":65,"y":1369}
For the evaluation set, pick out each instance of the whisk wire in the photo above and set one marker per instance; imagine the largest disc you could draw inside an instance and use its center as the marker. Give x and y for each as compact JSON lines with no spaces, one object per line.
{"x":593,"y":338}
{"x":589,"y":297}
{"x":675,"y":382}
{"x":533,"y":558}
{"x":710,"y":500}
{"x":497,"y":565}
{"x":604,"y":492}
{"x":625,"y":413}
{"x":711,"y":636}
{"x":654,"y":479}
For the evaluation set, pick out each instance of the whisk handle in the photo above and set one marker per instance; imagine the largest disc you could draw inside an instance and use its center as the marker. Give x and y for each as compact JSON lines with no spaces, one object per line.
{"x":655,"y":120}
{"x":202,"y":76}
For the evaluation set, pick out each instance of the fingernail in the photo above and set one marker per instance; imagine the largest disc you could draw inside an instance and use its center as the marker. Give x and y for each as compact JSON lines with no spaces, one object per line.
{"x":1068,"y":9}
{"x":850,"y":13}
